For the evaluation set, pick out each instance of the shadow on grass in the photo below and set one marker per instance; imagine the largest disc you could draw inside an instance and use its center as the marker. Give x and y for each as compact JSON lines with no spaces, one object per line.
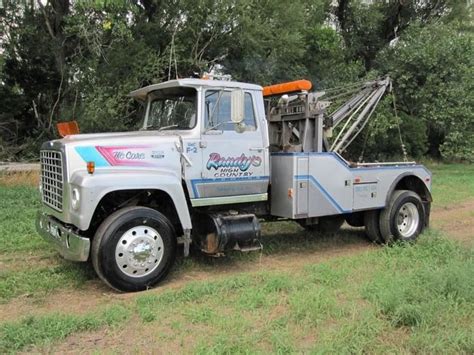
{"x":278,"y":239}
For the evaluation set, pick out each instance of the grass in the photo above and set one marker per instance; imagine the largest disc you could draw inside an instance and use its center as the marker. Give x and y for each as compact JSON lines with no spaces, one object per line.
{"x":18,"y":208}
{"x":45,"y":329}
{"x":407,"y":298}
{"x":410,"y":298}
{"x":452,"y":183}
{"x":41,"y":281}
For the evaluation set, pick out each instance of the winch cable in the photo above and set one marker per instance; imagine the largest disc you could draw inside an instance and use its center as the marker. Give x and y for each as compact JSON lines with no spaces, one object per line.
{"x":361,"y":156}
{"x":402,"y":145}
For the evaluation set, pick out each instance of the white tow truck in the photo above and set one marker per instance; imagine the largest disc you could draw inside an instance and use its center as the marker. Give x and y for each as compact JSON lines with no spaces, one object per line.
{"x":210,"y":161}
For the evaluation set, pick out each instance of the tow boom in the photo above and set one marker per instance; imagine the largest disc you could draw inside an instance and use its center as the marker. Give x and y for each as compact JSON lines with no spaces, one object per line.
{"x":301,"y":123}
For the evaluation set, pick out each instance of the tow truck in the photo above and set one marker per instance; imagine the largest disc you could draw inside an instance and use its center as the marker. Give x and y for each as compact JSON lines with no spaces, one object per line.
{"x":212,"y":159}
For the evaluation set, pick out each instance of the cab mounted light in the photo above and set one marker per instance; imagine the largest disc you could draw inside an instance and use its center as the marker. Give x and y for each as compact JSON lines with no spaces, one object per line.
{"x":67,"y":128}
{"x":90,"y":167}
{"x":287,"y":88}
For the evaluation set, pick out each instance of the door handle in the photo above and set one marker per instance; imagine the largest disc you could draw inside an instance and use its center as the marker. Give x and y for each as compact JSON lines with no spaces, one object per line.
{"x":257,"y":149}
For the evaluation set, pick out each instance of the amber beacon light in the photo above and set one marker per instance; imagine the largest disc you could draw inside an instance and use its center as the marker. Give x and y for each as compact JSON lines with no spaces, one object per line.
{"x":67,"y":128}
{"x":286,"y":88}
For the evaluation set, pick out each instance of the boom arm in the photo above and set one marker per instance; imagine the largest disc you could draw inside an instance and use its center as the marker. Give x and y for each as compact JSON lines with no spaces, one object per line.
{"x":357,"y":112}
{"x":301,"y":123}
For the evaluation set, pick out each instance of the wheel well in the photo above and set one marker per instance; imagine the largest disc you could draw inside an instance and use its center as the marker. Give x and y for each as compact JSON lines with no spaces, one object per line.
{"x":415,"y":184}
{"x":156,"y":199}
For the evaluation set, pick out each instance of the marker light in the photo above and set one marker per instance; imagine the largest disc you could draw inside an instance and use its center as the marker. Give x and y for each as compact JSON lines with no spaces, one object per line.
{"x":290,"y":193}
{"x":90,"y":167}
{"x":75,"y":198}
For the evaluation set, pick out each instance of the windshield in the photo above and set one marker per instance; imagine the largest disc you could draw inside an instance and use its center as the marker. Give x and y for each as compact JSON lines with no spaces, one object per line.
{"x":172,"y":108}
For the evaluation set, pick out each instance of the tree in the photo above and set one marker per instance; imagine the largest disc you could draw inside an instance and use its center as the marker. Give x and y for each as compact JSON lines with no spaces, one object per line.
{"x":65,"y":59}
{"x":35,"y":71}
{"x":433,"y":71}
{"x":368,"y":27}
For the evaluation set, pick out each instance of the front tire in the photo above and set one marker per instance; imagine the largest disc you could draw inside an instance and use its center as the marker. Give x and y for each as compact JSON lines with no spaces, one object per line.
{"x":404,"y":217}
{"x":134,"y":249}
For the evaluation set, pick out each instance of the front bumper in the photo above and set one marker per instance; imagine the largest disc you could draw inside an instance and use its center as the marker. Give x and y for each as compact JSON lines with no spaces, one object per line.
{"x":69,"y":244}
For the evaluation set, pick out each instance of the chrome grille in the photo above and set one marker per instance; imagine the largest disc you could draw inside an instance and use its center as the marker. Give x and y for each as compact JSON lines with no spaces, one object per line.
{"x":52,"y":178}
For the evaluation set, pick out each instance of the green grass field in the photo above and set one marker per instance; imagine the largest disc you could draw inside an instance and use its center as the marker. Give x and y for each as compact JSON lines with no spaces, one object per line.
{"x":406,"y":298}
{"x":453,"y":183}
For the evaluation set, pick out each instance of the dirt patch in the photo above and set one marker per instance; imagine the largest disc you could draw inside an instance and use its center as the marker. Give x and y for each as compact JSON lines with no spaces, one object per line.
{"x":27,"y":261}
{"x":137,"y":338}
{"x":457,"y":221}
{"x":28,"y":177}
{"x":71,"y":301}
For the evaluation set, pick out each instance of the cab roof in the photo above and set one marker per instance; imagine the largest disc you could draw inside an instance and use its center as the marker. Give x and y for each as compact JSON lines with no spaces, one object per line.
{"x":141,"y":94}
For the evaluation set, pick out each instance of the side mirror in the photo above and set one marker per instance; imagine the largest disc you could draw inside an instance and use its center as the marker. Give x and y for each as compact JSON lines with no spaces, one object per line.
{"x":237,"y":105}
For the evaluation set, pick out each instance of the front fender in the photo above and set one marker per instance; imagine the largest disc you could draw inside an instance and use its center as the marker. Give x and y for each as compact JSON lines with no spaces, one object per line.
{"x":94,"y":187}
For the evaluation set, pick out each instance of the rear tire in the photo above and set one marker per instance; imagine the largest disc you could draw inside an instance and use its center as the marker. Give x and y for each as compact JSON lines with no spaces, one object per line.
{"x":325,"y":225}
{"x":372,"y":226}
{"x":404,"y":217}
{"x":355,"y":219}
{"x":134,"y":249}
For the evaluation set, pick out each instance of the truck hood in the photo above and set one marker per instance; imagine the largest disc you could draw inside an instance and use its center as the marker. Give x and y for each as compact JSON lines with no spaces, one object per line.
{"x":124,"y":150}
{"x":106,"y":138}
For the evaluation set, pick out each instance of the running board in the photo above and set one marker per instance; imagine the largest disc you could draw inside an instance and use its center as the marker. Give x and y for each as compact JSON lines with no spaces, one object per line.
{"x":227,"y":200}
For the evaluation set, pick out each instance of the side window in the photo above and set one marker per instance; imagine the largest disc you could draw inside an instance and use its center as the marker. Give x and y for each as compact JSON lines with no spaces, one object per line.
{"x":249,"y":119}
{"x":217,"y":111}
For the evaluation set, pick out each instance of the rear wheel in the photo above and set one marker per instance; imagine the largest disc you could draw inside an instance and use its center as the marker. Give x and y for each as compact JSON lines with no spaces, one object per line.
{"x":325,"y":225}
{"x":404,"y":217}
{"x":355,"y":219}
{"x":134,"y":249}
{"x":372,"y":227}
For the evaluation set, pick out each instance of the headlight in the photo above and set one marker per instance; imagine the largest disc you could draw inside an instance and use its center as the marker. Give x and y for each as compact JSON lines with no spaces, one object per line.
{"x":75,"y":198}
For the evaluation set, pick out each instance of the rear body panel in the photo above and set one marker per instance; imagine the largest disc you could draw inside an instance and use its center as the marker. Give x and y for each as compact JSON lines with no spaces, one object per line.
{"x":305,"y":185}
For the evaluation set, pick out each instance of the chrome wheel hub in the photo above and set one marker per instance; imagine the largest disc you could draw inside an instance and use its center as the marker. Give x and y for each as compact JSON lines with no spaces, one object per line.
{"x":408,"y":220}
{"x":139,"y":251}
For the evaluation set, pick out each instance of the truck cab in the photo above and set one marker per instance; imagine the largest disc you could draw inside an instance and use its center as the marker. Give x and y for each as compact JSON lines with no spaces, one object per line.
{"x":210,"y":160}
{"x":223,"y":158}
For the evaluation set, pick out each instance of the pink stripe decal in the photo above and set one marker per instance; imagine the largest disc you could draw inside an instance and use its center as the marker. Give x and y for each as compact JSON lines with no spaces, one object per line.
{"x":137,"y":155}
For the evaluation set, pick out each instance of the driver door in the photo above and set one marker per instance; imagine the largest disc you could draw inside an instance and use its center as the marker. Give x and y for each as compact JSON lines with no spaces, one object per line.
{"x":233,"y":154}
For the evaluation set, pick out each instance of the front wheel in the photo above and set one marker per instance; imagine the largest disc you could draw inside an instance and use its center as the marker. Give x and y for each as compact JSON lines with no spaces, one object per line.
{"x":134,"y":249}
{"x":404,"y":217}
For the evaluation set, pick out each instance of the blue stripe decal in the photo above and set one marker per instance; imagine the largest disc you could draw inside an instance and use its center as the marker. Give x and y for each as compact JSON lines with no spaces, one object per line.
{"x":91,"y":154}
{"x":325,"y":193}
{"x":195,"y":182}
